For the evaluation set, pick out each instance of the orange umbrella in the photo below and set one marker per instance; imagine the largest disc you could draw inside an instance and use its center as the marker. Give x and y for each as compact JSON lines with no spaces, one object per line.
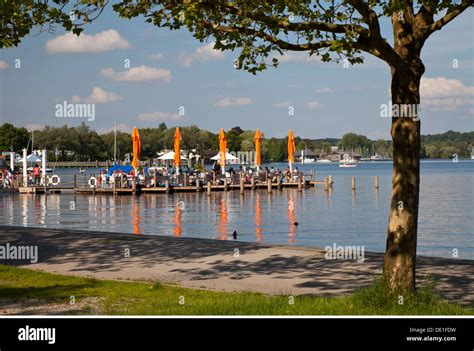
{"x":222,"y":148}
{"x":136,"y":148}
{"x":291,"y":149}
{"x":177,"y":147}
{"x":257,"y":139}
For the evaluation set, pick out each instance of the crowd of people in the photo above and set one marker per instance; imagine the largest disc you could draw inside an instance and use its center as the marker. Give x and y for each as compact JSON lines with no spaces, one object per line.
{"x":145,"y":176}
{"x":7,"y":176}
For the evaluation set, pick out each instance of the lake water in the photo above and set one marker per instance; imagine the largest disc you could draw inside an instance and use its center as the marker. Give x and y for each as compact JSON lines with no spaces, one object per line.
{"x":446,"y":218}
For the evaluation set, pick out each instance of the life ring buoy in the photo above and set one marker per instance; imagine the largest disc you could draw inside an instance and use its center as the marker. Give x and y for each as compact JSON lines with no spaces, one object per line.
{"x":93,"y":182}
{"x":54,"y":180}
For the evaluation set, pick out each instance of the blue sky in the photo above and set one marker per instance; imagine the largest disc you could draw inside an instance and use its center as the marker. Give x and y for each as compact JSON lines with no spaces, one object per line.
{"x":328,"y":99}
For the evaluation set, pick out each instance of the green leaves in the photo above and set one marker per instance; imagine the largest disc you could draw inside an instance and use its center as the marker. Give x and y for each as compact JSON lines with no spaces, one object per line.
{"x":19,"y":17}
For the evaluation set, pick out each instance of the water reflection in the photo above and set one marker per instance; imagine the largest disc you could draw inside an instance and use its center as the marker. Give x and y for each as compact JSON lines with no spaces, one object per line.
{"x":258,"y":217}
{"x":222,"y":227}
{"x":291,"y":217}
{"x":177,"y":218}
{"x":136,"y":217}
{"x":337,"y":215}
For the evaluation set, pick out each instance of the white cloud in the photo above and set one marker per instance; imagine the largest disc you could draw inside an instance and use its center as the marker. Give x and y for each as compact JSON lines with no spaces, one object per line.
{"x":103,"y":41}
{"x":442,"y":87}
{"x":138,"y":74}
{"x":283,"y":104}
{"x":202,"y":54}
{"x":3,"y":64}
{"x":447,"y":104}
{"x":32,"y":127}
{"x":121,"y":127}
{"x":326,"y":91}
{"x":297,"y":57}
{"x":207,"y":53}
{"x":233,"y":102}
{"x":158,"y":56}
{"x":98,"y":96}
{"x":312,"y":105}
{"x":445,"y":94}
{"x":185,"y":60}
{"x":158,"y":116}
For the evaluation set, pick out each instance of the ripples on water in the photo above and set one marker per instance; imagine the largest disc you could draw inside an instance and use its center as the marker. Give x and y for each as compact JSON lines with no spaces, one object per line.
{"x":339,"y":216}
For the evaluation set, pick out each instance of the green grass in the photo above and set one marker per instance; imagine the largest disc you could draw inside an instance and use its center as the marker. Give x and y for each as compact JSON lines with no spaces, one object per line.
{"x":136,"y":298}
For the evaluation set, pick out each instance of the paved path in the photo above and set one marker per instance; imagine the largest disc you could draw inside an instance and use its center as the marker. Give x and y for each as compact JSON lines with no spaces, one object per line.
{"x":212,"y":264}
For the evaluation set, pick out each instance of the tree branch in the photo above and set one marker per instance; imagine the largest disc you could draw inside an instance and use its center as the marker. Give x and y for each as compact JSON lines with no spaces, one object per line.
{"x":450,"y":15}
{"x":374,"y":43}
{"x":282,"y":44}
{"x":295,"y":26}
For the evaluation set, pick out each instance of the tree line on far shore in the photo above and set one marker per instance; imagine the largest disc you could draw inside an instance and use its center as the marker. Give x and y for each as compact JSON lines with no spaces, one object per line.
{"x":82,"y":143}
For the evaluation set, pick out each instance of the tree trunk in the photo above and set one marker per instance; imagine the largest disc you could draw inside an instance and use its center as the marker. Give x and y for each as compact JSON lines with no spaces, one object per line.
{"x":400,"y":255}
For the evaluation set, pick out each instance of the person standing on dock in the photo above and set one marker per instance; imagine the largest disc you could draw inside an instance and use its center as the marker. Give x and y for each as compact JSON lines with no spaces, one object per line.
{"x":36,"y":174}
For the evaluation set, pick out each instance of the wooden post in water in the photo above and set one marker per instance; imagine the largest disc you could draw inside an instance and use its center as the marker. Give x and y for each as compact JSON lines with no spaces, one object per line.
{"x":241,"y":186}
{"x":185,"y":175}
{"x":313,"y":175}
{"x":154,"y":178}
{"x":377,"y":182}
{"x":353,"y":183}
{"x":134,"y":185}
{"x":252,"y":183}
{"x":326,"y":184}
{"x":167,"y":185}
{"x":269,"y":185}
{"x":209,"y":188}
{"x":225,"y":182}
{"x":330,"y":180}
{"x":278,"y":183}
{"x":300,"y":187}
{"x":198,"y":184}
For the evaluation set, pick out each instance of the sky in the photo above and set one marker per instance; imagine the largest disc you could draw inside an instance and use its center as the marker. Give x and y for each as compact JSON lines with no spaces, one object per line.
{"x":140,"y":75}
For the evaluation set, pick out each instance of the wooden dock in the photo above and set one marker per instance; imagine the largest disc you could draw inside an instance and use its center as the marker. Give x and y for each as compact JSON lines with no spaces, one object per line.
{"x":82,"y":184}
{"x":168,"y":188}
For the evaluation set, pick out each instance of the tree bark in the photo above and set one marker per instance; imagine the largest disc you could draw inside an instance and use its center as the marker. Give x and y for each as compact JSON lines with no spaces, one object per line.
{"x":400,"y":254}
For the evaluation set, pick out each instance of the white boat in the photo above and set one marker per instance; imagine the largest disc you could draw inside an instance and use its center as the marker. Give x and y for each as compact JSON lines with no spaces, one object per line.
{"x":347,"y":165}
{"x":323,"y":161}
{"x":377,"y":157}
{"x":455,"y":158}
{"x":308,"y":160}
{"x":350,"y":161}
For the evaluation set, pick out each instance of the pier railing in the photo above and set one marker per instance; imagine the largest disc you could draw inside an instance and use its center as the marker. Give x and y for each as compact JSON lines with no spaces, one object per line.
{"x":123,"y":183}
